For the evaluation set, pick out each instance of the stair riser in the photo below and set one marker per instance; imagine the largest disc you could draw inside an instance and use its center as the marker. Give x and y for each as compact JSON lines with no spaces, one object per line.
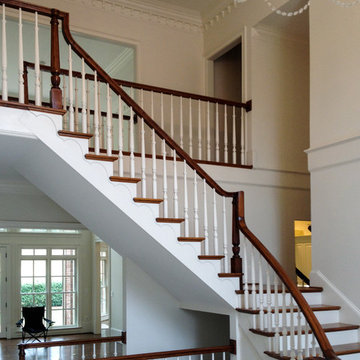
{"x":109,"y":166}
{"x":217,"y":264}
{"x":311,"y":298}
{"x":131,"y":188}
{"x":335,"y":338}
{"x":154,"y":207}
{"x":83,"y":143}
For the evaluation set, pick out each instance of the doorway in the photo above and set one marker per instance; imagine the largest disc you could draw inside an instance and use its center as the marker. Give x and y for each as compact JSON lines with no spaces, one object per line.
{"x":3,"y":300}
{"x":303,"y":252}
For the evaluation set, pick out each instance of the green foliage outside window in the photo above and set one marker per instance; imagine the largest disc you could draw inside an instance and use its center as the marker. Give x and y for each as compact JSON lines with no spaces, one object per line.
{"x":28,"y":298}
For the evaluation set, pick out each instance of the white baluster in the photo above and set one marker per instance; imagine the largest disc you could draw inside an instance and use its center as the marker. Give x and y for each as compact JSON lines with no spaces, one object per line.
{"x":143,"y":160}
{"x":21,"y":60}
{"x":64,"y":100}
{"x":190,"y":130}
{"x":4,"y":57}
{"x":165,"y":190}
{"x":284,"y":330}
{"x":253,"y":278}
{"x":96,"y":116}
{"x":215,"y":224}
{"x":261,"y":296}
{"x":84,"y":118}
{"x":206,"y":228}
{"x":246,"y":278}
{"x":121,"y":139}
{"x":217,"y":146}
{"x":88,"y":112}
{"x":268,"y":300}
{"x":307,"y":348}
{"x":276,"y":316}
{"x":105,"y":350}
{"x":243,"y":137}
{"x":199,"y":132}
{"x":176,"y":197}
{"x":226,"y":160}
{"x":292,"y":329}
{"x":196,"y":206}
{"x":234,"y":135}
{"x":76,"y":114}
{"x":94,"y":351}
{"x":153,"y":149}
{"x":108,"y":122}
{"x":299,"y":333}
{"x":313,"y":345}
{"x":71,"y":93}
{"x":224,"y":355}
{"x":226,"y":262}
{"x":37,"y":63}
{"x":181,"y":124}
{"x":172,"y":116}
{"x":115,"y":348}
{"x":83,"y":351}
{"x":162,"y":111}
{"x":212,"y":356}
{"x":186,"y":204}
{"x":132,"y":144}
{"x":208,"y":143}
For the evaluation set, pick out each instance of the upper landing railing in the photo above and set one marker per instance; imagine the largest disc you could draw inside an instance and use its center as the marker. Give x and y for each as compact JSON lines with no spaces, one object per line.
{"x":208,"y":212}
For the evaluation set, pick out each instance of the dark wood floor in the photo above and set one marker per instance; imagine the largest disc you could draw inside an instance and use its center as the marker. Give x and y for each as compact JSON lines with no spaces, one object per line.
{"x":9,"y":350}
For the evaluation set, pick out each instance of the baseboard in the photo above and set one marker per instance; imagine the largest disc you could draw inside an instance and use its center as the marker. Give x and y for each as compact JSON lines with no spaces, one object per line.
{"x":333,"y":295}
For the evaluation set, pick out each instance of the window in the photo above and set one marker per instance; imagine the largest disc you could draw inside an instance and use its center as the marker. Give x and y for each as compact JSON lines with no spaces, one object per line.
{"x":104,"y":288}
{"x":49,"y":278}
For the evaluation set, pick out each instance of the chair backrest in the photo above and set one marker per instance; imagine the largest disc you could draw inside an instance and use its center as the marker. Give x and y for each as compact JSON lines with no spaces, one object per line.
{"x":34,"y":316}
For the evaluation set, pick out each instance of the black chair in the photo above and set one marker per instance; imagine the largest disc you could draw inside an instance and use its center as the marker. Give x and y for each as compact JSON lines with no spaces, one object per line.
{"x":34,"y":323}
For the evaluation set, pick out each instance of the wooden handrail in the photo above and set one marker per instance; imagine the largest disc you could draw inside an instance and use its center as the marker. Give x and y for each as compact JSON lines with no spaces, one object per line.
{"x":176,"y":353}
{"x":314,"y":324}
{"x":247,"y":106}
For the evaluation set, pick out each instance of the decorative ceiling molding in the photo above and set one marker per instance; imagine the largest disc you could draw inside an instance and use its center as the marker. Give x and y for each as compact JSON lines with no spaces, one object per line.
{"x":154,"y":11}
{"x":218,"y":13}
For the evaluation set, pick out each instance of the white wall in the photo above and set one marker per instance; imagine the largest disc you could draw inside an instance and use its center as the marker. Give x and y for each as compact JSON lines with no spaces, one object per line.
{"x":334,"y":157}
{"x":154,"y":321}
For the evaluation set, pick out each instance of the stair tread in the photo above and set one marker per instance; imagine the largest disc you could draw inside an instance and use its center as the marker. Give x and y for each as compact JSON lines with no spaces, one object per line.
{"x":315,"y":307}
{"x":124,"y":179}
{"x":211,"y":257}
{"x":75,"y":134}
{"x":148,"y":200}
{"x":228,"y":275}
{"x":190,"y":239}
{"x":342,"y":349}
{"x":170,"y":220}
{"x":331,"y":327}
{"x":101,"y":157}
{"x":311,"y":289}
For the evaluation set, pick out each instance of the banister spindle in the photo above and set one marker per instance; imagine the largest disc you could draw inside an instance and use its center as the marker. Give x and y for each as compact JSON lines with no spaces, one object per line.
{"x":76,"y":114}
{"x":153,"y":150}
{"x":196,"y":206}
{"x":21,"y":61}
{"x":172,"y":116}
{"x":292,"y":329}
{"x":268,"y":300}
{"x":307,"y":347}
{"x":234,"y":135}
{"x":186,"y":204}
{"x":226,"y":262}
{"x":181,"y":123}
{"x":37,"y":63}
{"x":206,"y":228}
{"x":243,"y":137}
{"x":143,"y":158}
{"x":165,"y":186}
{"x":162,"y":111}
{"x":176,"y":191}
{"x":217,"y":145}
{"x":190,"y":129}
{"x":115,"y":348}
{"x":208,"y":142}
{"x":246,"y":277}
{"x":83,"y":351}
{"x":64,"y":102}
{"x":88,"y":106}
{"x":313,"y":345}
{"x":96,"y":116}
{"x":253,"y":278}
{"x":276,"y":315}
{"x":84,"y":119}
{"x":71,"y":93}
{"x":94,"y":351}
{"x":215,"y":225}
{"x":199,"y":131}
{"x":299,"y":334}
{"x":284,"y":330}
{"x":226,"y":153}
{"x":4,"y":57}
{"x":121,"y":139}
{"x":261,"y":295}
{"x":108,"y":122}
{"x":132,"y":144}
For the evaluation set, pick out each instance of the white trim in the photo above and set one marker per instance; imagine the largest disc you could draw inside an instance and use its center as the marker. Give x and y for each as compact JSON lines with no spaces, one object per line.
{"x":41,"y":225}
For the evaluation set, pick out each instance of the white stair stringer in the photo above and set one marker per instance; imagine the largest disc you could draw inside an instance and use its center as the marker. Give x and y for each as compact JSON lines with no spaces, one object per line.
{"x":57,"y":166}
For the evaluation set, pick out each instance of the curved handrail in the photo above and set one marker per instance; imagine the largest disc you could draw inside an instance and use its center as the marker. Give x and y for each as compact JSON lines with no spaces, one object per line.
{"x":138,"y":110}
{"x":319,"y":333}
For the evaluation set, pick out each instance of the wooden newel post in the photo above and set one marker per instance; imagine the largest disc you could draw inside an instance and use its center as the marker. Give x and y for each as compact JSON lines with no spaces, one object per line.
{"x":236,"y":261}
{"x":21,"y":352}
{"x":55,"y":92}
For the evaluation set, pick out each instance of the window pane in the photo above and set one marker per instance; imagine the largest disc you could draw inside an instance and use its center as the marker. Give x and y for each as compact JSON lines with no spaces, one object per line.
{"x":69,"y":252}
{"x":56,"y":268}
{"x":27,"y":267}
{"x":57,"y":300}
{"x":40,"y":300}
{"x":26,"y":285}
{"x":40,"y":267}
{"x":27,"y":252}
{"x":27,"y":300}
{"x":56,"y":284}
{"x":40,"y":252}
{"x":69,"y":284}
{"x":57,"y":316}
{"x":57,"y":252}
{"x":40,"y":284}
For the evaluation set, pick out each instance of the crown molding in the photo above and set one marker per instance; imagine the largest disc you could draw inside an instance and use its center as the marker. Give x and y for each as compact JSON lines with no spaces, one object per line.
{"x":154,"y":11}
{"x":217,"y":13}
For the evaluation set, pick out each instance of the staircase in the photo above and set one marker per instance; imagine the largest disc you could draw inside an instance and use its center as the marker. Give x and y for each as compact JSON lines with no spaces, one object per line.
{"x":185,"y":231}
